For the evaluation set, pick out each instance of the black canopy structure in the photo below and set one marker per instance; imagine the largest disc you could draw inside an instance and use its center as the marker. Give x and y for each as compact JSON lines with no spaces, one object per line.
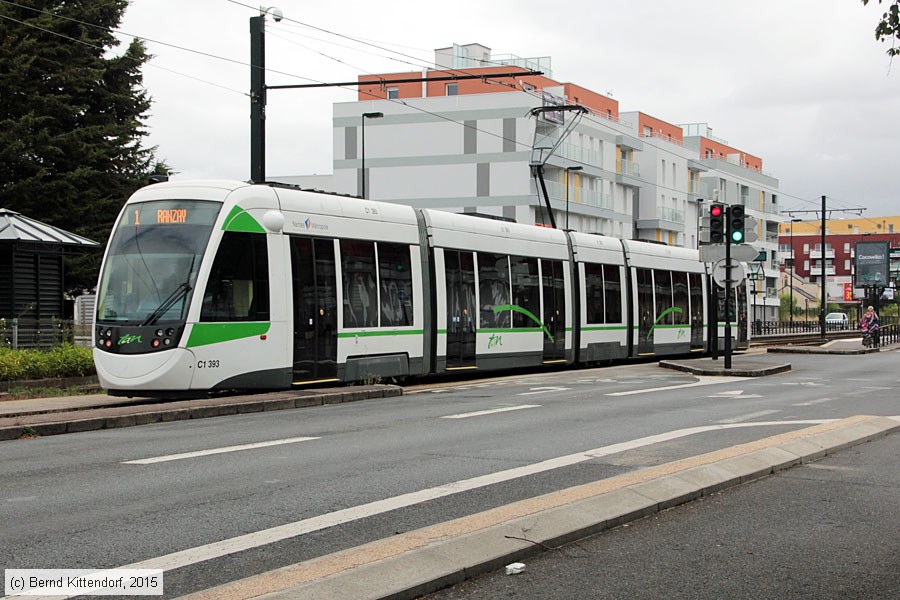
{"x":32,"y":278}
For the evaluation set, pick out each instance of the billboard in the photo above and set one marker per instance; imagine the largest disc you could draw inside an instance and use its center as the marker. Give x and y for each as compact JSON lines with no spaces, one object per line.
{"x":872,"y":264}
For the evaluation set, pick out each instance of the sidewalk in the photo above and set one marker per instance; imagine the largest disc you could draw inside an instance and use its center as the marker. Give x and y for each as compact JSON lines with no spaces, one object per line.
{"x":53,"y":416}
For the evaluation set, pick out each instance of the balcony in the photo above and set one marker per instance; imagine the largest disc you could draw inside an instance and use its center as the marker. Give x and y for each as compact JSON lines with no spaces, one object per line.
{"x":817,"y":254}
{"x":628,"y":167}
{"x":670,"y":214}
{"x":577,"y":195}
{"x":581,"y":155}
{"x":818,"y":271}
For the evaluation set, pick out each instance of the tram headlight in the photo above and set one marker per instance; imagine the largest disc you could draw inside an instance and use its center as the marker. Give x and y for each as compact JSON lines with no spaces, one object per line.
{"x":167,"y":342}
{"x":155,"y":343}
{"x":170,"y":332}
{"x":109,"y":333}
{"x":108,"y":343}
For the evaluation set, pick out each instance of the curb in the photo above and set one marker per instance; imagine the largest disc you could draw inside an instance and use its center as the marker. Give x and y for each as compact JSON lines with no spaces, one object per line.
{"x":423,"y":561}
{"x":734,"y":372}
{"x":58,"y":423}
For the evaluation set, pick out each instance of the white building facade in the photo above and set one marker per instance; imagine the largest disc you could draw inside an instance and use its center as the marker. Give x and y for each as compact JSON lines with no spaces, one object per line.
{"x":467,"y":146}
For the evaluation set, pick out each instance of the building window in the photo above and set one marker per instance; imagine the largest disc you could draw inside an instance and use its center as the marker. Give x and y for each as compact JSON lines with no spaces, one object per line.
{"x":847,"y":265}
{"x":846,"y":246}
{"x":805,"y":248}
{"x":393,"y":93}
{"x":806,"y":265}
{"x":647,"y":131}
{"x":452,"y":89}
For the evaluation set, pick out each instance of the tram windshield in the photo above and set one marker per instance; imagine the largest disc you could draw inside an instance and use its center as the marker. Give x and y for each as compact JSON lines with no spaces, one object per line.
{"x":153,"y":259}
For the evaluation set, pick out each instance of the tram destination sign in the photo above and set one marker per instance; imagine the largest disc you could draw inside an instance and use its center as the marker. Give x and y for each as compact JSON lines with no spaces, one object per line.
{"x":872,"y":264}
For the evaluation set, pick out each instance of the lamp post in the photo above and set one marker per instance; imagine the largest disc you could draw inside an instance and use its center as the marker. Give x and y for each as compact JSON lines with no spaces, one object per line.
{"x":368,"y":115}
{"x":568,"y":170}
{"x":793,"y":267}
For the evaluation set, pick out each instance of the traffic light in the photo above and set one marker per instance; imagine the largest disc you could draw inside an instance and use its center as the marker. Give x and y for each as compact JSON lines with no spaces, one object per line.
{"x":736,"y":224}
{"x":717,"y":223}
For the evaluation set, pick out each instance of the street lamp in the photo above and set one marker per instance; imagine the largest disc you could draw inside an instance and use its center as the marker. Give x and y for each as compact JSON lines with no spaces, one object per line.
{"x":793,"y":267}
{"x":368,"y":115}
{"x":568,"y":170}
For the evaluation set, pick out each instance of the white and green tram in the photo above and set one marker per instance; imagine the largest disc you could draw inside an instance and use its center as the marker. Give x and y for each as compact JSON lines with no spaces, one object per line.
{"x":219,"y":285}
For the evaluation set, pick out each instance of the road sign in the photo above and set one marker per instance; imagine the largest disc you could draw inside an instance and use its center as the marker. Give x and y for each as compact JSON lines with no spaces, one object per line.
{"x":719,"y":273}
{"x":716,"y":252}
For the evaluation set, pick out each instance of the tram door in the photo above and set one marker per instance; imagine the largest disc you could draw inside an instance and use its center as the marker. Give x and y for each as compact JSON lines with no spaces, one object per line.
{"x":459,"y":268}
{"x":553,"y":289}
{"x":696,"y":292}
{"x":315,"y":309}
{"x":646,"y":311}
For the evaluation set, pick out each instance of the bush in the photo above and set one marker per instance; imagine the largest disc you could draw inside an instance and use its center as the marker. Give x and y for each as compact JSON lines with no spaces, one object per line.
{"x":62,"y":361}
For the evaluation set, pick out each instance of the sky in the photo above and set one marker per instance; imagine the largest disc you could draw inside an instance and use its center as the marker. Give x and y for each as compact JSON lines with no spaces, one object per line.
{"x":803,"y":84}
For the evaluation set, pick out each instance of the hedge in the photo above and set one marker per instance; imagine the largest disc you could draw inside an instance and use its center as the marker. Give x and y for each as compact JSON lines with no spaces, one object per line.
{"x":65,"y":360}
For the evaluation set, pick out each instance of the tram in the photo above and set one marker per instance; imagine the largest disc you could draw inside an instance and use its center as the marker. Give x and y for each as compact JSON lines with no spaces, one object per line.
{"x":218,"y":285}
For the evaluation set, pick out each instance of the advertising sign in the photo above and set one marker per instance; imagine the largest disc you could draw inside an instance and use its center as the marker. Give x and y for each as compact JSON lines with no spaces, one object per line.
{"x":872,"y":264}
{"x":848,"y":292}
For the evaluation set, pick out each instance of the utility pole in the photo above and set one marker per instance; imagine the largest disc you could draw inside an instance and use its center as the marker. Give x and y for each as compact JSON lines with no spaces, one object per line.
{"x":824,"y":277}
{"x":258,"y":99}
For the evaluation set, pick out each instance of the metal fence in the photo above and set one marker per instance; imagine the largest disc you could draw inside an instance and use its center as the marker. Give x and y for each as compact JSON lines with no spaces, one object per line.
{"x":42,"y":334}
{"x":761,"y":328}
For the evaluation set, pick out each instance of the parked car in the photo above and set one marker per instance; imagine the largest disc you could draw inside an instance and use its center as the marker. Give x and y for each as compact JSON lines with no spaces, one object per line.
{"x":838,"y":320}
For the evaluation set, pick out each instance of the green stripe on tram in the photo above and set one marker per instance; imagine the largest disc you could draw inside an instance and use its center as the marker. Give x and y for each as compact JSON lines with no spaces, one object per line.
{"x":373,"y":333}
{"x":240,"y":220}
{"x":204,"y":334}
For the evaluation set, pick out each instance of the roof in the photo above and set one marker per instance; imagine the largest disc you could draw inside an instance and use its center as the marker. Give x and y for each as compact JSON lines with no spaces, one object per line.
{"x":15,"y":227}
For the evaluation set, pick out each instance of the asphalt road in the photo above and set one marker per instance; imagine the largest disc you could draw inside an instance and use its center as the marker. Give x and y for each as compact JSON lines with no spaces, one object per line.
{"x":342,"y":475}
{"x":825,"y":530}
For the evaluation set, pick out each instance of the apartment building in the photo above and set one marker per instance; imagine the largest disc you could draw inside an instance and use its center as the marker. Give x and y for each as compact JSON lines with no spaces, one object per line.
{"x":800,"y":243}
{"x":467,"y":145}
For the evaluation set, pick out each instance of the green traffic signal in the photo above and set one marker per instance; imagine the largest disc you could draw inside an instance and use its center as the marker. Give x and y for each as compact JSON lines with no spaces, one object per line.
{"x":737,"y":236}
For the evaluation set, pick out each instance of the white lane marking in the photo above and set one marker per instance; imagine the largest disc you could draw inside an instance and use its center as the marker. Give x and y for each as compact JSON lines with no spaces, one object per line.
{"x":491,"y":411}
{"x":734,"y":394}
{"x":701,"y":381}
{"x":543,"y":390}
{"x":170,"y":457}
{"x":872,"y":387}
{"x":813,"y":402}
{"x":747,"y":417}
{"x":264,"y":537}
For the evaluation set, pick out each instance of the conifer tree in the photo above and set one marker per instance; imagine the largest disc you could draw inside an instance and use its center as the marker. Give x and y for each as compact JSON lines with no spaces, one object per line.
{"x":71,"y":119}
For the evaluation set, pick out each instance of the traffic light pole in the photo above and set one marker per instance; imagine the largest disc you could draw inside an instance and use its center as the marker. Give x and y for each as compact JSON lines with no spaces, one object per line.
{"x":728,"y":282}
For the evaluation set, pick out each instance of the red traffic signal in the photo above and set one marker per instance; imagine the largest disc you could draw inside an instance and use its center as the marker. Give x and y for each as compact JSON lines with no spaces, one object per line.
{"x":717,"y":223}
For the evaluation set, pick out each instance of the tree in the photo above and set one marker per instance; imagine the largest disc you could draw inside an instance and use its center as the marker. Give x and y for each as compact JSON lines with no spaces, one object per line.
{"x":71,"y":119}
{"x":889,"y":26}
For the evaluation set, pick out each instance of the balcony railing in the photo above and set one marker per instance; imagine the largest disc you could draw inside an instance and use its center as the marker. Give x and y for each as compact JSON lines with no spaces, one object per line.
{"x":670,"y":214}
{"x":579,"y":154}
{"x":664,"y":137}
{"x":577,"y":195}
{"x":628,"y":167}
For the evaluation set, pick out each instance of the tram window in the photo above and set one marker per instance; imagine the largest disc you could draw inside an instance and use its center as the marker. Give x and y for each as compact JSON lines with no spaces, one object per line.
{"x":493,"y":287}
{"x":395,"y":275}
{"x":360,"y":293}
{"x":526,"y":289}
{"x":594,"y":290}
{"x":663,"y":283}
{"x":680,"y":296}
{"x":238,"y":288}
{"x":612,"y":285}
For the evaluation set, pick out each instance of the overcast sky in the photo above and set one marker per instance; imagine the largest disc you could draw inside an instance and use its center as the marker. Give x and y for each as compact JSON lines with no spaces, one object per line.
{"x":800,"y":83}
